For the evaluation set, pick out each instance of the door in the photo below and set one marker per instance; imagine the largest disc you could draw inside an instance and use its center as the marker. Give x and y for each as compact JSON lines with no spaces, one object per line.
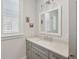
{"x":72,"y":29}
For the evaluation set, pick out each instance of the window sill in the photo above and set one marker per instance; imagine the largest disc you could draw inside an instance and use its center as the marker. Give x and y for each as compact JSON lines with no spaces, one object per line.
{"x":12,"y":36}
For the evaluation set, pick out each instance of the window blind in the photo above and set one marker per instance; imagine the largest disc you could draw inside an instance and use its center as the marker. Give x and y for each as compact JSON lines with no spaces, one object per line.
{"x":10,"y":16}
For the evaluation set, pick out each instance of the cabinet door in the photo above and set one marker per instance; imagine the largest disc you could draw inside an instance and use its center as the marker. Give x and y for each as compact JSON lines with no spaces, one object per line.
{"x":72,"y":29}
{"x":40,"y":49}
{"x":42,"y":56}
{"x":28,"y":50}
{"x":35,"y":54}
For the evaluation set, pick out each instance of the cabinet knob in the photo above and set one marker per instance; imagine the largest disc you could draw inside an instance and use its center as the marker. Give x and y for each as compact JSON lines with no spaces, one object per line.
{"x":71,"y":56}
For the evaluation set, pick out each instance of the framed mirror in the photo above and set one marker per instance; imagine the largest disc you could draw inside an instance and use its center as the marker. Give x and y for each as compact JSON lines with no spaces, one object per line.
{"x":50,"y":21}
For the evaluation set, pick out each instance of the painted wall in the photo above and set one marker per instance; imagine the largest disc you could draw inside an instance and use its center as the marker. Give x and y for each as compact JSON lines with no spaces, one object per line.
{"x":29,"y":10}
{"x":13,"y":48}
{"x":65,"y":18}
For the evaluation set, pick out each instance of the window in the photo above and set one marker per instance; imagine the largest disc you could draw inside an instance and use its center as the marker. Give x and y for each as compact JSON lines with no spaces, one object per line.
{"x":10,"y":16}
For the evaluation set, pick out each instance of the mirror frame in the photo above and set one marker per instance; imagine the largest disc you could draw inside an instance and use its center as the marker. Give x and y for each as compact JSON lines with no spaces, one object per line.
{"x":59,"y":21}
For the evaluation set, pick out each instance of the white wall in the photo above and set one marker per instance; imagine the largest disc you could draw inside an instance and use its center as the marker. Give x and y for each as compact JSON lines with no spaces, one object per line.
{"x":65,"y":18}
{"x":29,"y":10}
{"x":13,"y":48}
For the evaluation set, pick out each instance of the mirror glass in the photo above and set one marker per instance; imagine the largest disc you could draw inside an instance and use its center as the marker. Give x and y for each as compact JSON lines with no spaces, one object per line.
{"x":53,"y":16}
{"x":50,"y":21}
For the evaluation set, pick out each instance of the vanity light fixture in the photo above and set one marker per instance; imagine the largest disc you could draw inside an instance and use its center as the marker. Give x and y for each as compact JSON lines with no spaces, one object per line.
{"x":41,"y":6}
{"x":48,"y":2}
{"x":41,"y":21}
{"x":52,"y":0}
{"x":31,"y":25}
{"x":27,"y":19}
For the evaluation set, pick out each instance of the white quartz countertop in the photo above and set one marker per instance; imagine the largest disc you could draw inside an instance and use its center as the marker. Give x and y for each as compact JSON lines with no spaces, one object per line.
{"x":56,"y":46}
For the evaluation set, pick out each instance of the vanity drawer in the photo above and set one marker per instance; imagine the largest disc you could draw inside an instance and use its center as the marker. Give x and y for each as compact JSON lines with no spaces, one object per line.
{"x":40,"y":49}
{"x":55,"y":56}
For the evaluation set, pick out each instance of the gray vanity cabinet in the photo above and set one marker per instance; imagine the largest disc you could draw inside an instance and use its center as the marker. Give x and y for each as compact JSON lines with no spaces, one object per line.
{"x":34,"y":51}
{"x":39,"y":52}
{"x":28,"y":50}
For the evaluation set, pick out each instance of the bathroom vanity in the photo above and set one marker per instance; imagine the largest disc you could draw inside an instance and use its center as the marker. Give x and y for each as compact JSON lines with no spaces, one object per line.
{"x":37,"y":48}
{"x":50,"y":21}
